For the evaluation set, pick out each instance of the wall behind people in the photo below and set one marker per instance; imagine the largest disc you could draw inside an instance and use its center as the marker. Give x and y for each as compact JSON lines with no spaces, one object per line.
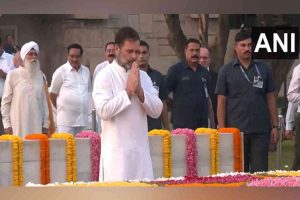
{"x":55,"y":32}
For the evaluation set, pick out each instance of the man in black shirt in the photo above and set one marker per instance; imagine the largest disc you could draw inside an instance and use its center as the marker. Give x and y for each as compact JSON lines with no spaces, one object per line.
{"x":189,"y":83}
{"x":9,"y":45}
{"x":158,"y":83}
{"x":246,"y":100}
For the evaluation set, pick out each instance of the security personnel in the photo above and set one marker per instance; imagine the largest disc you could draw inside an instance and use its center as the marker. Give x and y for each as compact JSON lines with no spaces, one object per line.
{"x":188,"y":81}
{"x":158,"y":83}
{"x":246,"y":100}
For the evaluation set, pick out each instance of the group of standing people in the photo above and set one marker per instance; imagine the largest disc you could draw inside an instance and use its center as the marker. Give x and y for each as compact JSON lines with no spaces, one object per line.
{"x":241,"y":95}
{"x":131,"y":97}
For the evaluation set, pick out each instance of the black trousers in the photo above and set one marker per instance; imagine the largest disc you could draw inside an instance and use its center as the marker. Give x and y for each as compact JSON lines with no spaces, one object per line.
{"x":296,"y":164}
{"x":256,"y":149}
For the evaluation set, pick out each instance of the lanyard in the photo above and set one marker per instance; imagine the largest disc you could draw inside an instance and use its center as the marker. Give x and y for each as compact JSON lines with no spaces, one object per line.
{"x":205,"y":87}
{"x":244,"y":73}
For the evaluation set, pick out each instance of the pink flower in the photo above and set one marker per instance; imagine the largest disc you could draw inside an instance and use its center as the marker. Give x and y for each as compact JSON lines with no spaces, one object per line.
{"x":191,"y":150}
{"x":238,"y":178}
{"x":276,"y":182}
{"x":95,"y":151}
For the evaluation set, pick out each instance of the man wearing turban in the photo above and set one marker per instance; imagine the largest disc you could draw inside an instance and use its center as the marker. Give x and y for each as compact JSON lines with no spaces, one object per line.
{"x":24,"y":103}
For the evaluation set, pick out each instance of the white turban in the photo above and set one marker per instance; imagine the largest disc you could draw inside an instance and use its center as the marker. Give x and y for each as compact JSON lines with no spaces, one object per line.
{"x":27,"y":47}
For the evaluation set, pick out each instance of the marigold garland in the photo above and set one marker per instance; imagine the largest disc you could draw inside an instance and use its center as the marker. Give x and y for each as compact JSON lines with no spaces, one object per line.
{"x":44,"y":156}
{"x":191,"y":150}
{"x":166,"y":150}
{"x":95,"y":151}
{"x":17,"y":153}
{"x":20,"y":150}
{"x":214,"y":148}
{"x":70,"y":154}
{"x":237,"y":147}
{"x":279,"y":173}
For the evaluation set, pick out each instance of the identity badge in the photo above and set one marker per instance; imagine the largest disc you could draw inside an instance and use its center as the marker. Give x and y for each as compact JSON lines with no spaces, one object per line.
{"x":155,"y":86}
{"x":205,"y":87}
{"x":258,"y":82}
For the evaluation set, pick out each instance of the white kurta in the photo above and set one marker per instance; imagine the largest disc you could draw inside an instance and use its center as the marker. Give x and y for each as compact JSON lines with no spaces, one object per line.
{"x":74,"y":93}
{"x":125,"y":153}
{"x":24,"y":104}
{"x":99,"y":67}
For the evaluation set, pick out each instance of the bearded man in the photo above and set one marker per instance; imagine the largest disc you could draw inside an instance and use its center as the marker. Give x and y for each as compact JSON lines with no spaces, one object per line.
{"x":24,"y":103}
{"x":123,"y":96}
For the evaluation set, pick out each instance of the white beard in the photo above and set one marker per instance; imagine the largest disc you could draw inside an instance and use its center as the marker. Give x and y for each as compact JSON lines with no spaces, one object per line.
{"x":32,"y":67}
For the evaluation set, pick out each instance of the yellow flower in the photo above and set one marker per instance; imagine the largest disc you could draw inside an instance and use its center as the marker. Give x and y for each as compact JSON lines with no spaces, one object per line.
{"x":74,"y":166}
{"x":70,"y":154}
{"x":17,"y":158}
{"x":166,"y":150}
{"x":279,"y":173}
{"x":20,"y":148}
{"x":214,"y":148}
{"x":103,"y":184}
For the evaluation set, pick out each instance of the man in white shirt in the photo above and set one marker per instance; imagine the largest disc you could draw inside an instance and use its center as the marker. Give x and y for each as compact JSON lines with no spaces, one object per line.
{"x":290,"y":120}
{"x":6,"y":64}
{"x":294,"y":96}
{"x":123,"y":96}
{"x":109,"y":54}
{"x":24,"y":103}
{"x":70,"y":92}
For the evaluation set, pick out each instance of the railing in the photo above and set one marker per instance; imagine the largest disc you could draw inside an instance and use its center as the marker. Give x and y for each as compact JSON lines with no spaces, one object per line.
{"x":278,"y":151}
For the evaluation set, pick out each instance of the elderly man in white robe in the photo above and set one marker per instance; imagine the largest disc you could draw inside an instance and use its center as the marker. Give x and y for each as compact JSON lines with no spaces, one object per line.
{"x":24,"y":104}
{"x":123,"y":96}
